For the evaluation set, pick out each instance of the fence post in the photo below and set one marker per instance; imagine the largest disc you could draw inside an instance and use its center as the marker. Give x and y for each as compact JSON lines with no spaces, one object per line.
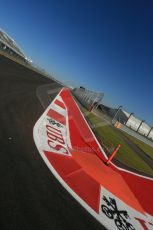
{"x":113,"y":154}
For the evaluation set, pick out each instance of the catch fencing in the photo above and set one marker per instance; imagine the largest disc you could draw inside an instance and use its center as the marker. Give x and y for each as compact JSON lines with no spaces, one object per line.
{"x":89,"y":99}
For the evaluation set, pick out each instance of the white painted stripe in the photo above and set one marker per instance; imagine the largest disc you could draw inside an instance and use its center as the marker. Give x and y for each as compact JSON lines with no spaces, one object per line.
{"x":44,"y":115}
{"x":58,"y":109}
{"x":59,"y":98}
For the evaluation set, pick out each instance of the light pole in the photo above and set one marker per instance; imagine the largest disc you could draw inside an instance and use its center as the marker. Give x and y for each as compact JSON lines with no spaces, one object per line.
{"x":129,"y":118}
{"x":149,"y":131}
{"x":119,"y":108}
{"x":140,"y":125}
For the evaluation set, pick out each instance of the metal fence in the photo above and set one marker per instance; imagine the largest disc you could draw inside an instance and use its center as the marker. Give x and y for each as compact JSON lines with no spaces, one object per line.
{"x":118,"y":124}
{"x":88,"y":98}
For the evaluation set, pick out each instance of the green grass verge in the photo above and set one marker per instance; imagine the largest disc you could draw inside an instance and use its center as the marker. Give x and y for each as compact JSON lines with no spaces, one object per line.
{"x":110,"y":137}
{"x":144,"y":147}
{"x":126,"y":155}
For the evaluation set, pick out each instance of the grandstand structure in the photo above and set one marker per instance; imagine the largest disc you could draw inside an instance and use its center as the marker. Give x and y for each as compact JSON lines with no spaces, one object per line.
{"x":9,"y":46}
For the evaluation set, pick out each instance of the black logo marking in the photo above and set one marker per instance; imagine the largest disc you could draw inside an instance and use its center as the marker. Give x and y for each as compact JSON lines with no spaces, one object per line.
{"x":53,"y":122}
{"x":120,"y":217}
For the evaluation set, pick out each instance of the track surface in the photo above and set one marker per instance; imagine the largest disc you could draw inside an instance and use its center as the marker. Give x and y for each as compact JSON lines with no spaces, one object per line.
{"x":30,"y":197}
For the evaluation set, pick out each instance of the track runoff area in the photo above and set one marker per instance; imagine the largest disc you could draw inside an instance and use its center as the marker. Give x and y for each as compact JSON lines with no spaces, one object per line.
{"x":117,"y":198}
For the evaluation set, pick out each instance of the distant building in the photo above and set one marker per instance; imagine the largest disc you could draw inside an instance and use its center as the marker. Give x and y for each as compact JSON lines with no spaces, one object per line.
{"x":9,"y":46}
{"x":129,"y":120}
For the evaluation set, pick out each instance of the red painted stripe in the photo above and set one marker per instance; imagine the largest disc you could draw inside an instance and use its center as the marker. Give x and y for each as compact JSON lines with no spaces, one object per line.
{"x":82,"y":128}
{"x":107,"y":177}
{"x":79,"y":181}
{"x":64,"y":165}
{"x":59,"y":103}
{"x":58,"y":117}
{"x":142,"y":189}
{"x":77,"y":141}
{"x":86,"y":187}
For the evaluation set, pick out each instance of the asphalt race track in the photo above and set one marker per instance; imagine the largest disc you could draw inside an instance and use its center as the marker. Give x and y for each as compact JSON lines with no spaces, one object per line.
{"x":30,"y":197}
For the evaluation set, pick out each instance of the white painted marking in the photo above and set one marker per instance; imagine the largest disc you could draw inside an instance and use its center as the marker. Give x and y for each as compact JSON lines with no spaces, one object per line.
{"x":59,"y":98}
{"x":58,"y":109}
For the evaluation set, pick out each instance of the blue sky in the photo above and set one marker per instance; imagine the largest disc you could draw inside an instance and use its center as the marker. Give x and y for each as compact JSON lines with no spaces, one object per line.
{"x":104,"y":45}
